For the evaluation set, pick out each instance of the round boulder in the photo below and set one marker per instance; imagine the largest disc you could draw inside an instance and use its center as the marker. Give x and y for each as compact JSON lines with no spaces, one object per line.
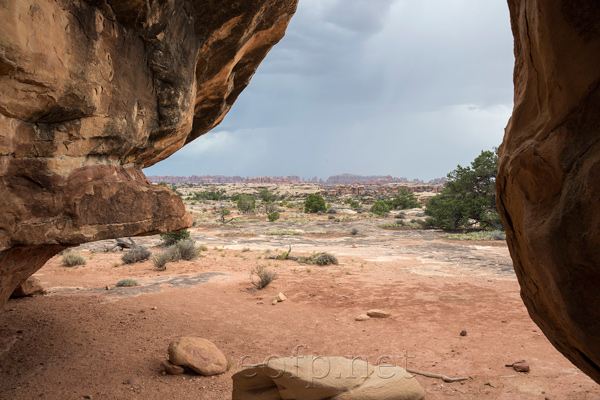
{"x":198,"y":354}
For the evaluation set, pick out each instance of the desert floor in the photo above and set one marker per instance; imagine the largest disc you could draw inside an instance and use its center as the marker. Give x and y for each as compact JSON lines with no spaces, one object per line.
{"x":88,"y":339}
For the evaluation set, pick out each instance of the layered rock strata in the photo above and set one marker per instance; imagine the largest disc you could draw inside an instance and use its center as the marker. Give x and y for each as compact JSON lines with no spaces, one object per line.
{"x":93,"y":91}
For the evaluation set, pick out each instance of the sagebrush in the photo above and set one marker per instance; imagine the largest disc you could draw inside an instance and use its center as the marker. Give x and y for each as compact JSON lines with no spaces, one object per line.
{"x":137,"y":254}
{"x":72,"y":258}
{"x":265,"y":276}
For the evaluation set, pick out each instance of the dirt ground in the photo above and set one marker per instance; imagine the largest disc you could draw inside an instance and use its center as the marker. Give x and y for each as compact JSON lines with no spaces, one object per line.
{"x":87,"y":339}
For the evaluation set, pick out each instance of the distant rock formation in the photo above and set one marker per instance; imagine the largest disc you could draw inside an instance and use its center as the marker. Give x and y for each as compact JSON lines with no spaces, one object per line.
{"x":93,"y":91}
{"x":549,"y":172}
{"x":348,"y":179}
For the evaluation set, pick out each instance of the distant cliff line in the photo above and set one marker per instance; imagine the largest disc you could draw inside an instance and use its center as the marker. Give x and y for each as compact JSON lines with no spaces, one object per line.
{"x":343,"y":179}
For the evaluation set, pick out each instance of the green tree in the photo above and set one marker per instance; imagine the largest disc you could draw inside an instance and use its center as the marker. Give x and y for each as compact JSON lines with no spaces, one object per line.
{"x":380,"y":208}
{"x":246,"y":203}
{"x":314,"y":203}
{"x":404,"y":200}
{"x":266,"y":196}
{"x":469,"y":197}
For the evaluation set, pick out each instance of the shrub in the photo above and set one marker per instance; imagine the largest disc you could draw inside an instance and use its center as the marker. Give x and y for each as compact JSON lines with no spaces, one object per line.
{"x":332,"y":211}
{"x":127,"y":283}
{"x":246,"y":203}
{"x":354,"y":232}
{"x":160,"y":260}
{"x":274,"y":216}
{"x":314,"y":203}
{"x":72,"y":258}
{"x":400,"y":215}
{"x":380,"y":208}
{"x":266,"y":196}
{"x":173,"y":237}
{"x":136,"y":254}
{"x":265,"y":276}
{"x":330,"y":217}
{"x":184,"y":250}
{"x":326,"y":259}
{"x":404,"y":200}
{"x":202,"y":247}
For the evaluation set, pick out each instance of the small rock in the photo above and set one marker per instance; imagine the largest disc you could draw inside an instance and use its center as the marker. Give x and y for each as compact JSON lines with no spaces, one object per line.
{"x":274,"y":302}
{"x":171,"y":368}
{"x":280,"y":297}
{"x":201,"y":355}
{"x":378,"y":313}
{"x":519,"y":366}
{"x":353,"y":246}
{"x":463,"y":333}
{"x":260,"y":302}
{"x":154,"y":308}
{"x":362,"y":317}
{"x":107,"y":288}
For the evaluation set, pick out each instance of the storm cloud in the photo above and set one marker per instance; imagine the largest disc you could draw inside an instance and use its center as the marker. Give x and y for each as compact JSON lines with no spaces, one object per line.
{"x":372,"y":87}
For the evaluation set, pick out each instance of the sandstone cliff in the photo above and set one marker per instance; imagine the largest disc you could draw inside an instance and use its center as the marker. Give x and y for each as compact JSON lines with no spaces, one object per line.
{"x":93,"y":91}
{"x":549,"y":173}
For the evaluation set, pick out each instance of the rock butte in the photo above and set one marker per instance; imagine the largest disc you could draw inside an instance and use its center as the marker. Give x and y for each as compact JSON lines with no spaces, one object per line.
{"x":93,"y":91}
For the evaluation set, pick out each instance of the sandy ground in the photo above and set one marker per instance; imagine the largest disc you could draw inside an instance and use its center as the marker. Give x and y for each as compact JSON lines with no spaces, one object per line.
{"x":88,"y":339}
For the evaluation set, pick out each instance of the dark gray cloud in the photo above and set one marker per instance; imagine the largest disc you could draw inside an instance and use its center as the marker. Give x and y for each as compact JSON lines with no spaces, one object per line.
{"x":407,"y":88}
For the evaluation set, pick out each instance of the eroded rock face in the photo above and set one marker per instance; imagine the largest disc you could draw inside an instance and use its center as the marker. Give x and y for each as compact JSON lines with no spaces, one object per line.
{"x":549,"y":173}
{"x":93,"y":91}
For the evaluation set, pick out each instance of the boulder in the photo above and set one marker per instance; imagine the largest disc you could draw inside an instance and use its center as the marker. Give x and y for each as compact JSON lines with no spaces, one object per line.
{"x":28,"y":288}
{"x":99,"y":90}
{"x":320,"y":378}
{"x":548,"y":184}
{"x":198,"y":354}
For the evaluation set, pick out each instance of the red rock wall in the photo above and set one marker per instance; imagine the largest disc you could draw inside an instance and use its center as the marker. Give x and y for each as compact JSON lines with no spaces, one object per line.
{"x":93,"y":91}
{"x":549,"y":172}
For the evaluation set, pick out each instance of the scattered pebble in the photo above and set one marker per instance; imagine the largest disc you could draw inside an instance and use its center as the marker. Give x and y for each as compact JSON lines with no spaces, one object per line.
{"x":463,"y":333}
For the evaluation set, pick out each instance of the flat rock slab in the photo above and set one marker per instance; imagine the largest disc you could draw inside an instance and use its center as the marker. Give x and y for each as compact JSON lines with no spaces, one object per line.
{"x":321,"y":378}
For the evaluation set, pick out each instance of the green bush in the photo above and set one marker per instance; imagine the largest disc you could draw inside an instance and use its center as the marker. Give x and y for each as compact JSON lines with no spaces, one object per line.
{"x":314,"y":203}
{"x":404,"y":200}
{"x":136,"y":254}
{"x":127,"y":283}
{"x":72,"y":258}
{"x":265,"y":276}
{"x":326,"y":259}
{"x":267,"y":196}
{"x":246,"y":203}
{"x":173,"y":237}
{"x":380,"y":208}
{"x":274,"y":216}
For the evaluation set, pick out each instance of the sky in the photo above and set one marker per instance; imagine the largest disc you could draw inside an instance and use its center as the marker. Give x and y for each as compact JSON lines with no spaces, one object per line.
{"x":369,"y":87}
